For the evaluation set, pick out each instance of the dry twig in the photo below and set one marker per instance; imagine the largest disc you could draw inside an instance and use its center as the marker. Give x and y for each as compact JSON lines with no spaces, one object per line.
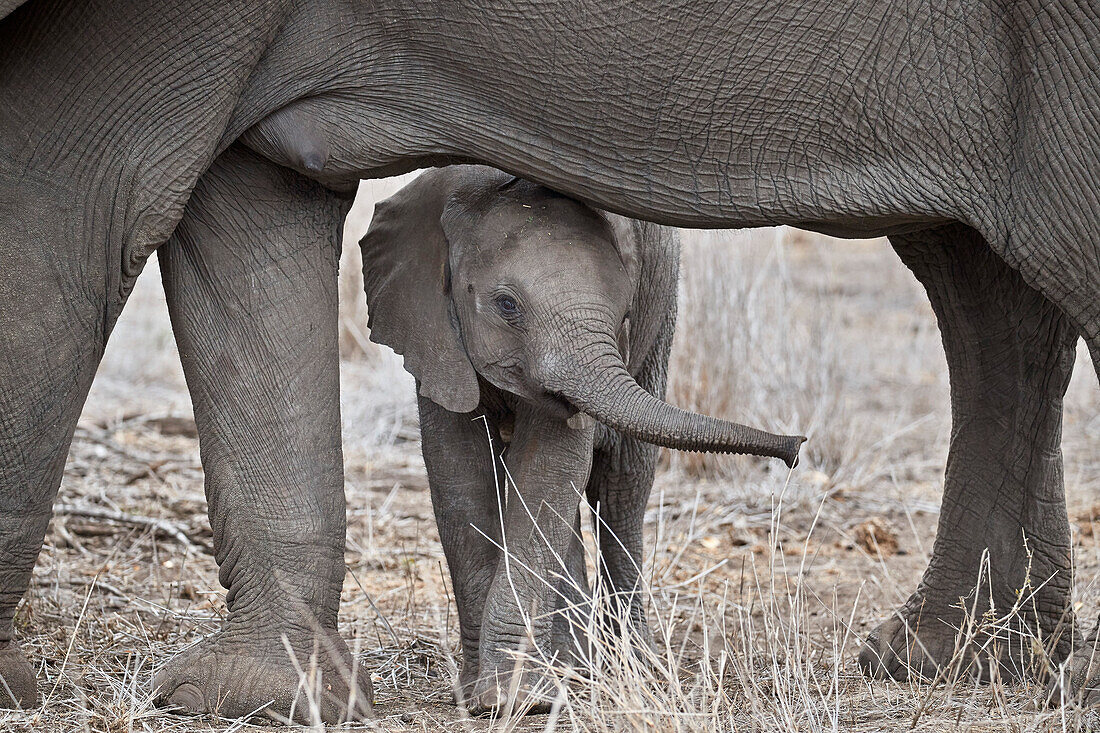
{"x":160,"y":525}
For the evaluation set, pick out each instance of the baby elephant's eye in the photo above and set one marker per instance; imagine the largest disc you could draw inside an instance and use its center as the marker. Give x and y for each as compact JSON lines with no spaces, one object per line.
{"x":507,"y":305}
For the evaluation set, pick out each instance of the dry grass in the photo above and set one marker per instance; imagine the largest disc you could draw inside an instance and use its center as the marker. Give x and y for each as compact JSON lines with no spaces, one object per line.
{"x":761,"y":583}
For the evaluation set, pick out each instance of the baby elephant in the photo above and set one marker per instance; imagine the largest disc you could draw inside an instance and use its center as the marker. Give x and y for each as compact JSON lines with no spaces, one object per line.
{"x":524,"y":314}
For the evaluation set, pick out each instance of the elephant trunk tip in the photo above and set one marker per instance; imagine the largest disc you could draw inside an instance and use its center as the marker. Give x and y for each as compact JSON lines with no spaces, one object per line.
{"x":791,"y":445}
{"x":761,"y":443}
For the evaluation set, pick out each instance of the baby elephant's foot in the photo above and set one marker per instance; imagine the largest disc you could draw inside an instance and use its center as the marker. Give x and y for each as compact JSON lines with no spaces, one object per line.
{"x":515,"y":692}
{"x":18,"y":688}
{"x":467,"y":682}
{"x":235,"y":678}
{"x":630,"y":636}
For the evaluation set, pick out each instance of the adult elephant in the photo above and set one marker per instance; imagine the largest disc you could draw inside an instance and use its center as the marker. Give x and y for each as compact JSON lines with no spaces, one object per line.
{"x":233,"y":133}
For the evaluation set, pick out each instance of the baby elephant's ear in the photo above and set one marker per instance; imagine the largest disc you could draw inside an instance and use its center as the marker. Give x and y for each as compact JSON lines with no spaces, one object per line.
{"x":624,"y":233}
{"x":406,"y":278}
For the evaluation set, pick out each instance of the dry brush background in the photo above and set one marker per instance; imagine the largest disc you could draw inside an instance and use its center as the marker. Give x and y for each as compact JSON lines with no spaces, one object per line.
{"x":761,"y":584}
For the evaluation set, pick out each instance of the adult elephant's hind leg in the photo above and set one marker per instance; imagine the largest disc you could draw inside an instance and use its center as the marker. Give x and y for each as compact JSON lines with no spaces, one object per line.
{"x":54,"y":318}
{"x":1010,"y":352}
{"x":251,"y":281}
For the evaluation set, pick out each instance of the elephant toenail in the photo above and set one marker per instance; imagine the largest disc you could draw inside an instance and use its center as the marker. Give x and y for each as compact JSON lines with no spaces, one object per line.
{"x":187,"y":696}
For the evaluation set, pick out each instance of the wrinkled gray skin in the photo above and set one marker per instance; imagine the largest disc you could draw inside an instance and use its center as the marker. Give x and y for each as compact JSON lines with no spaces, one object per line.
{"x":231,"y":134}
{"x":545,"y":308}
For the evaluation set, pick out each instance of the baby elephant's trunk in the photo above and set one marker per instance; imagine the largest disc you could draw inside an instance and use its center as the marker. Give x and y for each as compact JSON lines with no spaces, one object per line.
{"x":604,"y":389}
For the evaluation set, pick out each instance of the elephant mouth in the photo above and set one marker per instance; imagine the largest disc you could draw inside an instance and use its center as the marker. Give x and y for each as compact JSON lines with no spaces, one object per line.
{"x":558,"y":405}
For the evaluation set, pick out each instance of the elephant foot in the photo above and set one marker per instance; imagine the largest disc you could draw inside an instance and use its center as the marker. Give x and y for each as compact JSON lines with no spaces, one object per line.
{"x":919,"y":643}
{"x":18,"y":687}
{"x":631,"y":634}
{"x":569,"y":642}
{"x":1078,"y":679}
{"x":901,"y":648}
{"x":467,"y":683}
{"x":239,"y":678}
{"x":518,"y":692}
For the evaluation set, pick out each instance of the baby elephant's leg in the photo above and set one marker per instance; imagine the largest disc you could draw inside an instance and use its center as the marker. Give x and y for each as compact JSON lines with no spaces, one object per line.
{"x":570,"y":642}
{"x":467,"y":506}
{"x":547,"y":462}
{"x":622,"y":477}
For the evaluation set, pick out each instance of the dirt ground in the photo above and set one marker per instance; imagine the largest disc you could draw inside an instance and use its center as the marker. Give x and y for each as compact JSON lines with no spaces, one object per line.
{"x":761,"y":585}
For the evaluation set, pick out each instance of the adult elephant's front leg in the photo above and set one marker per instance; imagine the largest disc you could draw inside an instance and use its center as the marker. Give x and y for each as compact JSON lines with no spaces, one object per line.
{"x":1010,"y":352}
{"x":535,"y":605}
{"x":57,"y":306}
{"x":251,"y":280}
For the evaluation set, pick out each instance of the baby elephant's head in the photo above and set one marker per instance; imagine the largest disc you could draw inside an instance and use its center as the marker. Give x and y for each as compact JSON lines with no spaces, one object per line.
{"x":469,"y":271}
{"x":537,"y":282}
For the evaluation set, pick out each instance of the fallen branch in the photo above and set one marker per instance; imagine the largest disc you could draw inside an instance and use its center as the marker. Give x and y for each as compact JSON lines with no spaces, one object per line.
{"x":104,"y":438}
{"x":163,"y":526}
{"x":63,"y":532}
